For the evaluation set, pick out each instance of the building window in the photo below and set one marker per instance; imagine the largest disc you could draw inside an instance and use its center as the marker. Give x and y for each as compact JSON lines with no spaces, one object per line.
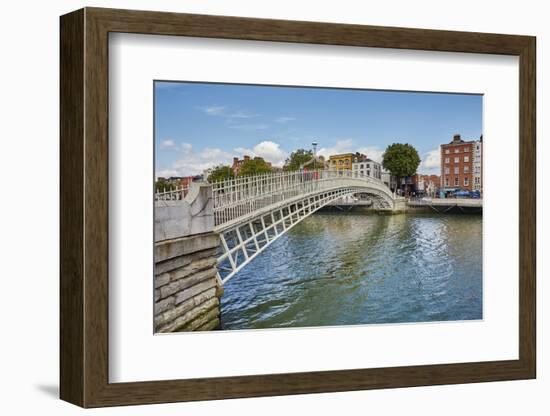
{"x":447,"y":151}
{"x":467,"y":149}
{"x":447,"y":182}
{"x":457,"y":150}
{"x":447,"y":171}
{"x":447,"y":160}
{"x":466,"y":159}
{"x":466,"y":169}
{"x":476,"y":180}
{"x":456,"y":170}
{"x":466,"y":181}
{"x":456,"y":182}
{"x":457,"y":159}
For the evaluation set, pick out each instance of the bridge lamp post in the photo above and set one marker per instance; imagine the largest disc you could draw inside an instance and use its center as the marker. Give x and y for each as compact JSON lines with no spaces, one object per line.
{"x":314,"y":144}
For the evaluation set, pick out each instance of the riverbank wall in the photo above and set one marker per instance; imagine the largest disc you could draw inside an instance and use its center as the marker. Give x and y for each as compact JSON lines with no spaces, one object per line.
{"x":439,"y":206}
{"x":186,"y":290}
{"x":187,"y":294}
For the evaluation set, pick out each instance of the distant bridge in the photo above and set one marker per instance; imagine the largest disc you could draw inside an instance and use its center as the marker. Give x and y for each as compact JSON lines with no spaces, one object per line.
{"x":251,"y":212}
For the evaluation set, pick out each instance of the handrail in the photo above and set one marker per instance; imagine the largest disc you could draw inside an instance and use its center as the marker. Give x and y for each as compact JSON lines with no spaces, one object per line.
{"x":238,"y":197}
{"x":173,"y":194}
{"x":234,"y":198}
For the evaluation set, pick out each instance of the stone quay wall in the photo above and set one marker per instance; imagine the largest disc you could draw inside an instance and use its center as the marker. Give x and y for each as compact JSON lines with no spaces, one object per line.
{"x":186,"y":289}
{"x":187,"y":292}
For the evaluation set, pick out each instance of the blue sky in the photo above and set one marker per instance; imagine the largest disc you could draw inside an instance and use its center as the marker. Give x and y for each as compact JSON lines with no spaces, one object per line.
{"x":200,"y":125}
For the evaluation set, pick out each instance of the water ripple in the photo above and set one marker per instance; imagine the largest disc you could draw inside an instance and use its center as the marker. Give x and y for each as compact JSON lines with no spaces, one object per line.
{"x":361,"y":269}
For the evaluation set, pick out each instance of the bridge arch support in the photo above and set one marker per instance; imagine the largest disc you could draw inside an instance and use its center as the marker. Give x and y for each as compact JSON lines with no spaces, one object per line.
{"x":271,"y":205}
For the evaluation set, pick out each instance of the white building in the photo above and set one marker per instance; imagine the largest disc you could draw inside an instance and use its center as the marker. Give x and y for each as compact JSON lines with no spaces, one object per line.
{"x":426,"y":184}
{"x":367,"y":167}
{"x":477,"y":165}
{"x":389,"y":180}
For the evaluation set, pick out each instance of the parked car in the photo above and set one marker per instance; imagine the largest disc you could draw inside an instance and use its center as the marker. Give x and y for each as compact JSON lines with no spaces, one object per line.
{"x":462,"y":194}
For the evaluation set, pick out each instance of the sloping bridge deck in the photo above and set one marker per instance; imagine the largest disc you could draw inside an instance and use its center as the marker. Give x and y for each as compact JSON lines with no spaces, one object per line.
{"x":250,"y":213}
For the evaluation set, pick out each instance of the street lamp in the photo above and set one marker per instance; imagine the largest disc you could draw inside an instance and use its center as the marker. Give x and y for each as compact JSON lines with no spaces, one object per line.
{"x":314,"y":144}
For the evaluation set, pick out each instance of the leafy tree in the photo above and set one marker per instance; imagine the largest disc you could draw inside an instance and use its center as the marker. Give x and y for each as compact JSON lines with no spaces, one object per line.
{"x":220,"y":173}
{"x":401,"y":160}
{"x":303,"y":158}
{"x":255,"y":166}
{"x":161,"y":185}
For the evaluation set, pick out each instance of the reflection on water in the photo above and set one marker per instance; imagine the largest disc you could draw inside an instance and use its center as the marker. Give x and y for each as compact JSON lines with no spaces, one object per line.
{"x":343,"y":269}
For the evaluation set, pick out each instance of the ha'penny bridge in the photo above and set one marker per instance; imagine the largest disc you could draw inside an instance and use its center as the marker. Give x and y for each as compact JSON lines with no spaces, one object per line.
{"x":206,"y":233}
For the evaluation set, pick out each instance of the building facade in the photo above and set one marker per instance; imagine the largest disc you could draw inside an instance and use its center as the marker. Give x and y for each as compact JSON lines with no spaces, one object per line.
{"x":237,"y":163}
{"x":478,"y":158}
{"x":426,"y":185}
{"x":457,"y":164}
{"x":368,"y":168}
{"x":345,"y":161}
{"x":389,"y":180}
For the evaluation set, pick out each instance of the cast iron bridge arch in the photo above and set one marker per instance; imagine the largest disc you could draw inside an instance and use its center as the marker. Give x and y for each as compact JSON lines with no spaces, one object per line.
{"x":250,"y":213}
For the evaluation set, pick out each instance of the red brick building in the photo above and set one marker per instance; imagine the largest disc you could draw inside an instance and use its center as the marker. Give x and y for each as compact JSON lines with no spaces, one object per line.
{"x":238,"y":163}
{"x":457,"y":164}
{"x":426,"y":184}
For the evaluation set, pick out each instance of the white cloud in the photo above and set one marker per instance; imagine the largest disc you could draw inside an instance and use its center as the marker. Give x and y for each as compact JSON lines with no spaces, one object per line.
{"x":431,"y":162}
{"x":167,"y":144}
{"x":268,"y":150}
{"x":241,"y":114}
{"x":214,"y":110}
{"x":226,"y":113}
{"x":186,"y":147}
{"x":372,"y":152}
{"x":341,"y":146}
{"x":348,"y":145}
{"x":284,"y":119}
{"x":190,"y":162}
{"x":249,"y":126}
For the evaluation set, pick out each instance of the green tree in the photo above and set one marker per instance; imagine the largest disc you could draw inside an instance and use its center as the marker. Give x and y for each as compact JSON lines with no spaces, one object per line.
{"x":303,"y":158}
{"x":161,"y":185}
{"x":401,"y":159}
{"x":255,"y":166}
{"x":220,"y":173}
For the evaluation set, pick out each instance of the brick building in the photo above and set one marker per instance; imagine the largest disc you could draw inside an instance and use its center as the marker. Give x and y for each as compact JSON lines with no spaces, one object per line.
{"x":457,"y":164}
{"x":426,"y":185}
{"x":345,"y":161}
{"x":237,"y":163}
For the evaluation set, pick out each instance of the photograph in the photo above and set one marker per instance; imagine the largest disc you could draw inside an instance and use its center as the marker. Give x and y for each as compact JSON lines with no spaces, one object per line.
{"x":299,"y":206}
{"x":254,"y":203}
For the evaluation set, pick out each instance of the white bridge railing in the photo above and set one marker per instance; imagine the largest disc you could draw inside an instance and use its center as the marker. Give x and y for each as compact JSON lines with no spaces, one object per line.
{"x":175,"y":193}
{"x":252,"y":212}
{"x":235,"y":198}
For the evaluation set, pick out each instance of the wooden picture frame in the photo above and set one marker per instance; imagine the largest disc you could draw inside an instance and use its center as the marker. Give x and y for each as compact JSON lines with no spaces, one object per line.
{"x":84,"y":207}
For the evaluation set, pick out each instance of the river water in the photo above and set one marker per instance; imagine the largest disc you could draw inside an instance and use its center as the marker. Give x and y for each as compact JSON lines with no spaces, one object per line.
{"x":357,"y":268}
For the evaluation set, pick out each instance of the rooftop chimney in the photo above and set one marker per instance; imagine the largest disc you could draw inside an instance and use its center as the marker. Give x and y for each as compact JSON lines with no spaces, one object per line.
{"x":246,"y":157}
{"x":235,"y":160}
{"x":456,"y":138}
